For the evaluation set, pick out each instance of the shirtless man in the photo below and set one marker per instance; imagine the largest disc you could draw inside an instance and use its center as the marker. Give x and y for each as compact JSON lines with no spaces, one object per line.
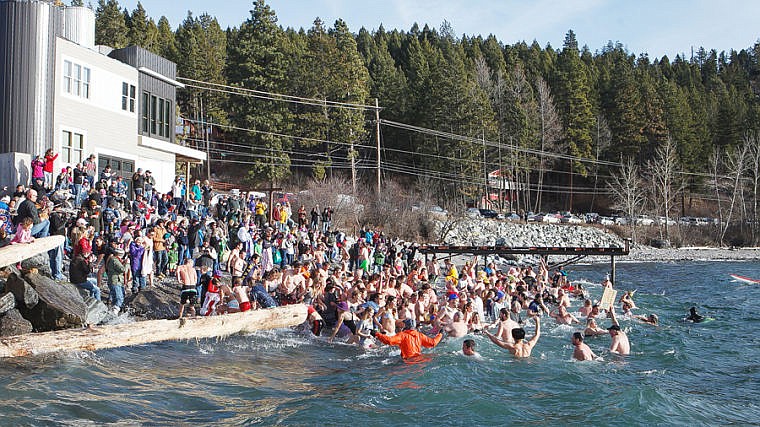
{"x":563,"y":317}
{"x":563,"y":299}
{"x":468,"y":348}
{"x":581,"y":351}
{"x":620,"y":343}
{"x":651,"y":319}
{"x":520,"y":348}
{"x":506,"y":324}
{"x":187,"y":279}
{"x":457,"y":327}
{"x":241,"y":294}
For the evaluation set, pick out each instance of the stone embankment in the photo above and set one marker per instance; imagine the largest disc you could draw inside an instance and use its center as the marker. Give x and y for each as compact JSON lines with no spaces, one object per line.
{"x":488,"y":231}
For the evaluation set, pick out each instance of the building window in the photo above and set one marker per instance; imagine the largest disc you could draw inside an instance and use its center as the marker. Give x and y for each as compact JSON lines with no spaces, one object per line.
{"x":145,"y":112}
{"x":167,"y":117}
{"x":72,"y":147}
{"x":157,"y":116}
{"x":76,"y":79}
{"x":128,"y":97}
{"x":153,"y":118}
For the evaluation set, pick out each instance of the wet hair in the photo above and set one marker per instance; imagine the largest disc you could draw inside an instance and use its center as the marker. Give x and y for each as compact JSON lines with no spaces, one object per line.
{"x":578,"y":336}
{"x":504,"y":311}
{"x":469,"y":343}
{"x":518,"y":333}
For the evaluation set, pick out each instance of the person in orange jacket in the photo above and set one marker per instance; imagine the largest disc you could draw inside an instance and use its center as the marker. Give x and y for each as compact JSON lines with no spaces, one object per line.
{"x":409,"y":340}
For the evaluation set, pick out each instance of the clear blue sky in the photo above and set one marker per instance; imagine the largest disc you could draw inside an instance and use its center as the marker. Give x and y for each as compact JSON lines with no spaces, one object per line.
{"x":662,"y":27}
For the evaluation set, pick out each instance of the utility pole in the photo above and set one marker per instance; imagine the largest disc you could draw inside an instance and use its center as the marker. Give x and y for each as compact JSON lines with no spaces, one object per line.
{"x":377,"y":147}
{"x":352,"y":155}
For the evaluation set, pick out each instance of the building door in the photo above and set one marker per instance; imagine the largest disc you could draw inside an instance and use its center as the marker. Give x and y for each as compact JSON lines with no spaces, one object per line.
{"x":119,"y":167}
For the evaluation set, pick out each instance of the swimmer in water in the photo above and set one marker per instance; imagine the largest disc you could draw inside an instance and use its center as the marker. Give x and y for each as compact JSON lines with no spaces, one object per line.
{"x":620,"y":343}
{"x":652,"y":319}
{"x":468,"y":348}
{"x":592,"y":329}
{"x":581,"y":351}
{"x":520,"y":348}
{"x":694,"y":316}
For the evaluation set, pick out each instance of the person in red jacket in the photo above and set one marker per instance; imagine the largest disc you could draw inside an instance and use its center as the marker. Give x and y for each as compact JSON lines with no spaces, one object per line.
{"x":409,"y":340}
{"x":48,"y":168}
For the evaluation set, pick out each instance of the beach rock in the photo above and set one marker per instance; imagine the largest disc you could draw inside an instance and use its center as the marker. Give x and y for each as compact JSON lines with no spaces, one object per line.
{"x":40,"y":261}
{"x":97,"y":312}
{"x":155,"y":302}
{"x":7,"y":302}
{"x":25,"y":294}
{"x":60,"y":305}
{"x":12,"y":323}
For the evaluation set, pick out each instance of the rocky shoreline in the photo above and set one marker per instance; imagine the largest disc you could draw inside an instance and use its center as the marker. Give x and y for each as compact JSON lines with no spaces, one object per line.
{"x":489,"y":232}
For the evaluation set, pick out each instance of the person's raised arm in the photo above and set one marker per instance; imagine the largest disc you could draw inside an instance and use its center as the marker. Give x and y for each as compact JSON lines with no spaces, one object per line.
{"x":534,"y":340}
{"x":430,"y":342}
{"x":494,"y":339}
{"x":612,"y":315}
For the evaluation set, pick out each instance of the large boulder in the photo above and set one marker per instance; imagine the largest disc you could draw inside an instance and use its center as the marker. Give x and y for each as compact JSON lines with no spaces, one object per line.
{"x":12,"y":323}
{"x":25,"y":294}
{"x":60,"y":305}
{"x":156,"y":302}
{"x":7,"y":302}
{"x":97,"y":312}
{"x":40,"y":262}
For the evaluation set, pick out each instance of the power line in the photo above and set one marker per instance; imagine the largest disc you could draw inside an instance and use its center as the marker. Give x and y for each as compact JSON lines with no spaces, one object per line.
{"x":236,"y":90}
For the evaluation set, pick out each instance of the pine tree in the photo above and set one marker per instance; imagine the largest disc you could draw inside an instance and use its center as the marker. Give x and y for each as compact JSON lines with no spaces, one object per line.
{"x":166,"y":44}
{"x":256,"y":60}
{"x":573,"y":90}
{"x":110,"y":26}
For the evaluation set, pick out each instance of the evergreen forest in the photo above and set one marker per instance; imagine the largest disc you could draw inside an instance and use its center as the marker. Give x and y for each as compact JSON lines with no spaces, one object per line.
{"x":557,"y":128}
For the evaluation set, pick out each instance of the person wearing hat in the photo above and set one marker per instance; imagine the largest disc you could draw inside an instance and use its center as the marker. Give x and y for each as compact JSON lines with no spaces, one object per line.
{"x":115,"y":272}
{"x":79,"y":270}
{"x":410,"y":340}
{"x":620,"y":343}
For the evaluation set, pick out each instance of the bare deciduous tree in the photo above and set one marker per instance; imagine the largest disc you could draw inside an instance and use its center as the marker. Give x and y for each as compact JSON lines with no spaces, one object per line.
{"x":753,"y":168}
{"x":663,"y":177}
{"x":550,"y":131}
{"x":627,"y":192}
{"x":734,"y":165}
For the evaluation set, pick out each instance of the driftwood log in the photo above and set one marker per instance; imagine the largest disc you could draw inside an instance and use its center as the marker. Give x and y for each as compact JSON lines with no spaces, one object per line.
{"x":13,"y":254}
{"x":149,"y":331}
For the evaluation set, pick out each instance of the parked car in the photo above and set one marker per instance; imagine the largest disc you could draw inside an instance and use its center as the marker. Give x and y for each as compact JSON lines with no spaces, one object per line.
{"x":643,"y":220}
{"x":490,"y":213}
{"x":512,"y":217}
{"x":547,"y":217}
{"x":622,"y":220}
{"x":570,"y":219}
{"x":472,"y":213}
{"x":605,"y":220}
{"x":438,"y":211}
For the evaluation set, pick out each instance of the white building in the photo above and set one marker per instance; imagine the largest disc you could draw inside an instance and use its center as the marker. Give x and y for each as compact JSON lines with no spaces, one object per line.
{"x":60,"y":91}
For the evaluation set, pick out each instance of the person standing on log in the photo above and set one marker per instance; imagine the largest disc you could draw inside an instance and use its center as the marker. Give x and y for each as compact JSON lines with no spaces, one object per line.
{"x":79,"y":271}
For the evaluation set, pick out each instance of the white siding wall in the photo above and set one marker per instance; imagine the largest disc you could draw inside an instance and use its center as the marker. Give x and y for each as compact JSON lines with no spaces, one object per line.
{"x":107,"y":129}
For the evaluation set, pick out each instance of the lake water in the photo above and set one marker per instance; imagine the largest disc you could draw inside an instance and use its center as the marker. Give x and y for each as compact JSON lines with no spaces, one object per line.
{"x":678,"y":373}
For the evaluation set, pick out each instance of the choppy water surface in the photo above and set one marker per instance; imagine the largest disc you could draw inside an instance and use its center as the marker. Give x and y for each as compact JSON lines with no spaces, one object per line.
{"x":679,"y":373}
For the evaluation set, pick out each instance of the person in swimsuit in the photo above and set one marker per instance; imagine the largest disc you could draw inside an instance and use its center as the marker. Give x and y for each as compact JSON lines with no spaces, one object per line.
{"x":314,"y":321}
{"x":592,"y":329}
{"x":582,"y":351}
{"x":348,"y":318}
{"x":620,"y":343}
{"x":520,"y":348}
{"x":188,"y":279}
